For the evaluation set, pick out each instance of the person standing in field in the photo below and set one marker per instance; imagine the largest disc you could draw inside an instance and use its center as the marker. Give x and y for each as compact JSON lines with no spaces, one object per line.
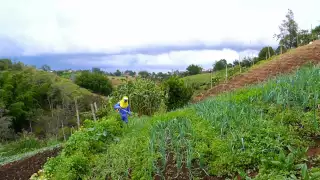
{"x":123,"y":108}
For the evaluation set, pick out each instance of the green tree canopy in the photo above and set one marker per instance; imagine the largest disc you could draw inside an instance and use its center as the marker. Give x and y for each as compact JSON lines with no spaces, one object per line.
{"x":194,"y":69}
{"x":177,"y":92}
{"x":5,"y":64}
{"x":219,"y":65}
{"x":288,"y":31}
{"x":118,"y":73}
{"x":266,"y":53}
{"x":304,"y":37}
{"x":46,"y":67}
{"x":280,"y":49}
{"x":144,"y":74}
{"x":96,"y":82}
{"x":130,"y":72}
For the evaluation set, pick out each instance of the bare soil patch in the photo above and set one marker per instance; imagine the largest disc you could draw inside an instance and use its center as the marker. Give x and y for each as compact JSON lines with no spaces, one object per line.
{"x":285,"y":63}
{"x":23,"y":169}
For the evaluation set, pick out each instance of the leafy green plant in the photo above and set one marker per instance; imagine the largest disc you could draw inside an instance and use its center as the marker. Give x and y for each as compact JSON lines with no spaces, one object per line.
{"x":178,"y":93}
{"x":261,"y":129}
{"x":145,"y":96}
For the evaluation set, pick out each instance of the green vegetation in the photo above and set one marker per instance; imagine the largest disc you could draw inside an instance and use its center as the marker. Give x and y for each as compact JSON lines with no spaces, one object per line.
{"x":289,"y":35}
{"x":202,"y":82}
{"x":145,"y":96}
{"x":266,"y":53}
{"x":194,"y":69}
{"x":27,"y":145}
{"x":263,"y":128}
{"x":40,"y":103}
{"x":94,"y":81}
{"x":178,"y":93}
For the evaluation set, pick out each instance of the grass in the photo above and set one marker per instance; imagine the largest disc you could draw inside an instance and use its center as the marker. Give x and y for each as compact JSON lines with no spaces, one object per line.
{"x":118,"y":80}
{"x":202,"y":82}
{"x":202,"y":79}
{"x":115,"y":80}
{"x":20,"y":156}
{"x":26,"y":146}
{"x":263,"y":129}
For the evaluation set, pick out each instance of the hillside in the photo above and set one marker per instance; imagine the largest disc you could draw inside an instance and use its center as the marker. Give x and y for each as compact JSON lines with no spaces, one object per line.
{"x":40,"y":102}
{"x":202,"y":82}
{"x":115,"y":80}
{"x":285,"y":63}
{"x":260,"y":132}
{"x":247,"y":133}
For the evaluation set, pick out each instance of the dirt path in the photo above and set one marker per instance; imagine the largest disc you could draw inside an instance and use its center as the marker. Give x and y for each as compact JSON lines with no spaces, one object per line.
{"x":285,"y":63}
{"x":24,"y":169}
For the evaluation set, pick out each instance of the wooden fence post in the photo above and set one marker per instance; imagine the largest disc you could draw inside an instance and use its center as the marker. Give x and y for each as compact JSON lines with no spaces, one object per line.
{"x":77,"y":112}
{"x":93,"y":114}
{"x":95,"y":106}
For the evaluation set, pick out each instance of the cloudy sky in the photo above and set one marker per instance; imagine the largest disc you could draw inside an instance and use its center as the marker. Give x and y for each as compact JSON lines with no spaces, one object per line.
{"x":155,"y":35}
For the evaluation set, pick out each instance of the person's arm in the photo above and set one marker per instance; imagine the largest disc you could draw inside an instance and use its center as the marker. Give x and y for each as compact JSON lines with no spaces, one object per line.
{"x":116,"y":106}
{"x":129,"y":110}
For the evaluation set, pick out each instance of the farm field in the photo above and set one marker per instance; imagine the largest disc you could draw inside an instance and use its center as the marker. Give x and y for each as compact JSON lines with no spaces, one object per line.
{"x":22,"y":166}
{"x":285,"y":63}
{"x":259,"y":132}
{"x":202,"y":82}
{"x":264,"y":131}
{"x":141,"y":102}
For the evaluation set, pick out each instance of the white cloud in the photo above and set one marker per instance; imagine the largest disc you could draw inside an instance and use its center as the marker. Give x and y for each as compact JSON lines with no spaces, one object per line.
{"x":162,"y":62}
{"x":62,"y":26}
{"x":96,"y":25}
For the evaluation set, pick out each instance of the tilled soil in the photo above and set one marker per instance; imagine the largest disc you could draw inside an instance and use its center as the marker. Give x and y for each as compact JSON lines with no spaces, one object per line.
{"x":23,"y":169}
{"x":285,"y":63}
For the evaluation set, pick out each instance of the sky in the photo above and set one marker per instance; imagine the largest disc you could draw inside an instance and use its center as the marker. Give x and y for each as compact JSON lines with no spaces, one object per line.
{"x":153,"y":35}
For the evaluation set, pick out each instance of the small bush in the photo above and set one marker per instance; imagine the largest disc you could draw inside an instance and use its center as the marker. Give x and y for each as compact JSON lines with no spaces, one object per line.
{"x":96,"y":82}
{"x":78,"y":153}
{"x":178,"y":93}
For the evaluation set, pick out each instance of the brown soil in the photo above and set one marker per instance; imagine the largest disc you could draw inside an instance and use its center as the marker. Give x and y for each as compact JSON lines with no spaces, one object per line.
{"x":285,"y":63}
{"x":315,"y":150}
{"x":23,"y":169}
{"x":171,"y":171}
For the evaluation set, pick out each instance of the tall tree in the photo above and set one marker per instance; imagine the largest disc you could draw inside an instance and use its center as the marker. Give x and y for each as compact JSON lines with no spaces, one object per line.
{"x":236,"y":62}
{"x":266,"y":53}
{"x":46,"y":67}
{"x":288,"y":31}
{"x":316,"y":32}
{"x":219,"y":65}
{"x":304,"y":37}
{"x":5,"y":64}
{"x":144,"y":74}
{"x":96,"y":70}
{"x":194,"y":69}
{"x":130,"y":72}
{"x":118,"y":73}
{"x":280,"y":49}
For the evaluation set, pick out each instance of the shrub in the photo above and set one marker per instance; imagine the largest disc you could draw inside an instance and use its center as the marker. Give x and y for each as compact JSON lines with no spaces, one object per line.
{"x":178,"y":93}
{"x":78,"y":154}
{"x":96,"y":82}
